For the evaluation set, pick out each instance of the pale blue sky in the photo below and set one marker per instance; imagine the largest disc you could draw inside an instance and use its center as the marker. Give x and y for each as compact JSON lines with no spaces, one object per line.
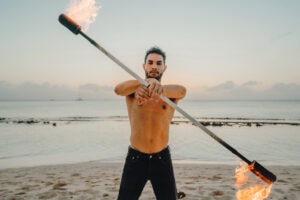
{"x":217,"y":49}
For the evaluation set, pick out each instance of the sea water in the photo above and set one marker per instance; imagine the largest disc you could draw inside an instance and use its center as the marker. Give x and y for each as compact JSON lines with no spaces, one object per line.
{"x":76,"y":131}
{"x":285,"y":109}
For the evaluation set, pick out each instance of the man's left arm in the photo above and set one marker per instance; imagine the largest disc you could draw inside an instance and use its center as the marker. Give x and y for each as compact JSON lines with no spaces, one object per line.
{"x":174,"y":91}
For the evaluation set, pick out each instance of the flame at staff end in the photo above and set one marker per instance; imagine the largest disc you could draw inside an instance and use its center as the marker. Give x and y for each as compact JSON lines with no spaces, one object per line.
{"x":84,"y":12}
{"x":247,"y":191}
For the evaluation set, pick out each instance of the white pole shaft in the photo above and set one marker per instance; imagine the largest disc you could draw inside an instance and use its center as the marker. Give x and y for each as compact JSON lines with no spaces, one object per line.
{"x":168,"y":101}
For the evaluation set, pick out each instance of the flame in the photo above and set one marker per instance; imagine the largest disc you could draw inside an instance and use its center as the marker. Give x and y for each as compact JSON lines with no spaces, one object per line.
{"x":247,"y":190}
{"x":241,"y":176}
{"x":254,"y":193}
{"x":84,"y":12}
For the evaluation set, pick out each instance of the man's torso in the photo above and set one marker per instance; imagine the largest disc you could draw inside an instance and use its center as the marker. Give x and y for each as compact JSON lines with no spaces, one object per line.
{"x":150,"y":123}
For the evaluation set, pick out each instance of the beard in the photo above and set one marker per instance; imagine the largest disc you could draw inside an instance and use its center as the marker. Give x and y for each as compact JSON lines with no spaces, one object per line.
{"x":157,"y":77}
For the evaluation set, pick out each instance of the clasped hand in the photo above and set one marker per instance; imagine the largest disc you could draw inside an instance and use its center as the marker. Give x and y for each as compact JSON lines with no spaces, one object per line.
{"x":152,"y":92}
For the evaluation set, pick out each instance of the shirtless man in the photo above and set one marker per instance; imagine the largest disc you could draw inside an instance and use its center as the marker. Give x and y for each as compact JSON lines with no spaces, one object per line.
{"x":148,"y":155}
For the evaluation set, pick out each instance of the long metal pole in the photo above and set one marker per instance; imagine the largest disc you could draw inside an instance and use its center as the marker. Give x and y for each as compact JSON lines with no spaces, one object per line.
{"x":168,"y":101}
{"x":255,"y":167}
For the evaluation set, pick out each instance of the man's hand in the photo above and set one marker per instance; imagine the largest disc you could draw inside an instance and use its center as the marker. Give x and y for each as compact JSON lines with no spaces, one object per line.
{"x":142,"y":94}
{"x":153,"y":91}
{"x":155,"y":88}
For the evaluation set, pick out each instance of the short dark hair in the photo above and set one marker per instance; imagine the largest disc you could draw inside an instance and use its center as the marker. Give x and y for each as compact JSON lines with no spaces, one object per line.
{"x":155,"y":50}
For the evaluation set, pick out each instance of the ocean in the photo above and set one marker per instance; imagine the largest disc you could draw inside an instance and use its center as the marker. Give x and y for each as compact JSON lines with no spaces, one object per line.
{"x":56,"y":132}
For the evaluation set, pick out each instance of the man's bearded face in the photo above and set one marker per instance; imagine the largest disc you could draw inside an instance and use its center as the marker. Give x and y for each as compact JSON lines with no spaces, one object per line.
{"x":154,"y":66}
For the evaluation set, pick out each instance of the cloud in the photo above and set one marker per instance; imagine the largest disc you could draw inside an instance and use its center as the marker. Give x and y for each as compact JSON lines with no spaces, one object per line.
{"x":251,"y":90}
{"x":251,"y":84}
{"x":282,"y":36}
{"x":229,"y":85}
{"x":46,"y":91}
{"x":283,"y":91}
{"x":33,"y":91}
{"x":93,"y":91}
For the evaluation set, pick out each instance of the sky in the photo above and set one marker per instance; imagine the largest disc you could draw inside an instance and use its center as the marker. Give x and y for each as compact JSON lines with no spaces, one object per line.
{"x":228,"y":49}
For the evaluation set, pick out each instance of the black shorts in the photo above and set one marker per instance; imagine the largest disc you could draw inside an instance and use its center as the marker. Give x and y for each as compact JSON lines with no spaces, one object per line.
{"x":141,"y":167}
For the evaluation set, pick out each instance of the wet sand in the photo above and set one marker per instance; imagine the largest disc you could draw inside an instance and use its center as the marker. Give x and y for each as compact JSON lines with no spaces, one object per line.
{"x":98,"y":180}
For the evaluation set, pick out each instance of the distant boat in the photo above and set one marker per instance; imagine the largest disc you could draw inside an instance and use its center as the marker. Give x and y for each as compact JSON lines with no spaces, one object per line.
{"x":79,"y":99}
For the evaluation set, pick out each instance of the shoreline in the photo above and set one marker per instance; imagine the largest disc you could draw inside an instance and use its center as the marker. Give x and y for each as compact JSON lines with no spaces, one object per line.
{"x":212,"y":122}
{"x":100,"y":180}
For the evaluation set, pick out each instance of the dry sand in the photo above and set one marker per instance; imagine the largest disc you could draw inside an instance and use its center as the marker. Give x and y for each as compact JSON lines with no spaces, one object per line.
{"x":96,"y":180}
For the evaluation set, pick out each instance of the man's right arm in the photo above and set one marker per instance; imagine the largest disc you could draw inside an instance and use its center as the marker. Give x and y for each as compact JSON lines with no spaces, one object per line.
{"x":127,"y":87}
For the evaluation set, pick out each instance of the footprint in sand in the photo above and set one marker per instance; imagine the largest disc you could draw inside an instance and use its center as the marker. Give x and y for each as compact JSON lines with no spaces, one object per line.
{"x":59,"y":186}
{"x":217,"y":193}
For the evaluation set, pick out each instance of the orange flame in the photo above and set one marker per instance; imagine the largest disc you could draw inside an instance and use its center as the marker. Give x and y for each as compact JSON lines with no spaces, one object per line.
{"x":247,"y":190}
{"x":84,"y":12}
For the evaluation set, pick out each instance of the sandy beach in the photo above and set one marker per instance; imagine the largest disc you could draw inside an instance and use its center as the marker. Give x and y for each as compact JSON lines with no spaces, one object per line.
{"x":98,"y":180}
